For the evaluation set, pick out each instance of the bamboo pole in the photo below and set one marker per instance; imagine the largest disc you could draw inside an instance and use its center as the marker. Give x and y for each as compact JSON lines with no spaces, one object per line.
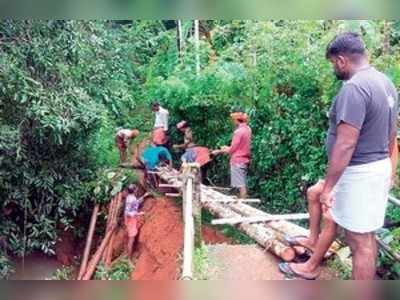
{"x":260,"y":219}
{"x":97,"y":256}
{"x":232,"y":200}
{"x":197,"y":45}
{"x":394,"y":200}
{"x":188,"y":245}
{"x":89,"y":240}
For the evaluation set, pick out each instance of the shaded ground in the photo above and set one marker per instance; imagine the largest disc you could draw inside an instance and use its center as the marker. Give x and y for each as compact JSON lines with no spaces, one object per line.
{"x":37,"y":266}
{"x":246,"y":262}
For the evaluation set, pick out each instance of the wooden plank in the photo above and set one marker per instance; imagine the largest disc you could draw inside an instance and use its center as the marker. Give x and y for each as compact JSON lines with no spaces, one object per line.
{"x":167,"y":185}
{"x":261,"y":219}
{"x":233,"y":200}
{"x":173,"y":195}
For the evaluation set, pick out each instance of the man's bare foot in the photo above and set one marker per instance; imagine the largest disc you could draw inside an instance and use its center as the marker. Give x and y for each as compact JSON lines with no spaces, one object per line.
{"x":307,"y":242}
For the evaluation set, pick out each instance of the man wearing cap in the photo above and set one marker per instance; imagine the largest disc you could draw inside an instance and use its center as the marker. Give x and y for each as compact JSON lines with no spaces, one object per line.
{"x":122,"y":139}
{"x":239,"y":151}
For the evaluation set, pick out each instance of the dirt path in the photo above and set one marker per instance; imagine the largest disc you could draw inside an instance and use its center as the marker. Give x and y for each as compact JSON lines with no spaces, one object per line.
{"x":246,"y":262}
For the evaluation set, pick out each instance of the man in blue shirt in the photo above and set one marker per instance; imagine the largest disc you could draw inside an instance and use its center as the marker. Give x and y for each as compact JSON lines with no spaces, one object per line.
{"x":155,"y":155}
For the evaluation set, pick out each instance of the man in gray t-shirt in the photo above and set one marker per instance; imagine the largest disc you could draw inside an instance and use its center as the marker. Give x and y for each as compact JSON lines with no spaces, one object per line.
{"x":360,"y":140}
{"x":368,"y":102}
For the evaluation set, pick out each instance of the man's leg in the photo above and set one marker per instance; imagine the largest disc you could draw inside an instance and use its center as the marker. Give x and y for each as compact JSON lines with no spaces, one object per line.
{"x":315,"y":211}
{"x":123,"y":155}
{"x":364,"y":252}
{"x":328,"y":234}
{"x":243,"y":192}
{"x":131,"y":240}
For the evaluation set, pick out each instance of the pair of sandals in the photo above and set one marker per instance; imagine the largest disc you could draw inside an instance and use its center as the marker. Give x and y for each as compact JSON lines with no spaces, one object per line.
{"x":285,"y":267}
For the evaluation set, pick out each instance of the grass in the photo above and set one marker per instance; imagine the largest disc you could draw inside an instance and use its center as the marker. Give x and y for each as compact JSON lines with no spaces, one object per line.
{"x":341,"y":270}
{"x":63,"y":273}
{"x":121,"y":270}
{"x":201,"y":263}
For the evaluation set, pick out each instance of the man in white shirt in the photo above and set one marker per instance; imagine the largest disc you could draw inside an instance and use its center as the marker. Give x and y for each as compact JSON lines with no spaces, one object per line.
{"x":160,"y":124}
{"x":161,"y":116}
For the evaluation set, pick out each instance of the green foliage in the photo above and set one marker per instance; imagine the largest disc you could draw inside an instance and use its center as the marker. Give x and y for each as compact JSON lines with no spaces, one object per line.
{"x":64,"y":273}
{"x":342,"y":271}
{"x":66,"y":86}
{"x":112,"y":181}
{"x":6,"y":267}
{"x":119,"y":271}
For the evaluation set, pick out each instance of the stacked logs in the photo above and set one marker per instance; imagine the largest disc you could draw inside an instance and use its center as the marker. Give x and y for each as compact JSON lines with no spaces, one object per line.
{"x":270,"y":235}
{"x":105,"y":250}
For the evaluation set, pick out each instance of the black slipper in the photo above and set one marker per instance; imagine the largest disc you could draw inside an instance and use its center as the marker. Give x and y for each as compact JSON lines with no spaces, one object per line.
{"x":286,"y":269}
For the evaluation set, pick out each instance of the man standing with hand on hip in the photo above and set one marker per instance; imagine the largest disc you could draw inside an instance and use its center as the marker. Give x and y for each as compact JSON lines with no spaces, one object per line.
{"x":361,"y":138}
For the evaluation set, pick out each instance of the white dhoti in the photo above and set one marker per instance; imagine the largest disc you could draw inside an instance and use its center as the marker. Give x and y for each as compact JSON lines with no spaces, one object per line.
{"x":361,"y":196}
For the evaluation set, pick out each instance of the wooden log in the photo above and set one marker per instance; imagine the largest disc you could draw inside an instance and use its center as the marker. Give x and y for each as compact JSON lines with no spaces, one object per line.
{"x":299,"y":250}
{"x":89,"y":240}
{"x":260,"y":219}
{"x":111,"y":209}
{"x":281,"y":227}
{"x":109,"y":253}
{"x":114,"y":222}
{"x":97,"y":256}
{"x":264,"y":236}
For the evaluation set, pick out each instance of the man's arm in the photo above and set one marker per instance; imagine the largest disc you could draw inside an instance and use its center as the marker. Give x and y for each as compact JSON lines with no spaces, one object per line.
{"x":234,"y":144}
{"x":342,"y":152}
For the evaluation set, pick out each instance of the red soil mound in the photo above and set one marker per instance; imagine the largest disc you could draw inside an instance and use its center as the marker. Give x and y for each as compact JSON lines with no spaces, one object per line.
{"x":159,"y":242}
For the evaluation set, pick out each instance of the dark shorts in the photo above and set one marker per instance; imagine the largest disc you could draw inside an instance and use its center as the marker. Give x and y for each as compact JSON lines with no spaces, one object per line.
{"x":120,"y":141}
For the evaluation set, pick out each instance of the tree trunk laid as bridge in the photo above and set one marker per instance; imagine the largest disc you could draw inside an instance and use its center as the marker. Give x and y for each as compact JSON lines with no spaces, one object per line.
{"x":282,"y":228}
{"x":264,"y":236}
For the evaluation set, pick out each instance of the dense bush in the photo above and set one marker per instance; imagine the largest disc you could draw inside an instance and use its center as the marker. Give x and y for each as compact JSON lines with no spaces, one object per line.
{"x":65,"y":88}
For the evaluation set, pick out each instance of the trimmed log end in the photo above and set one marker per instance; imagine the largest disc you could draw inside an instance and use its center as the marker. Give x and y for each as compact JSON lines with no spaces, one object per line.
{"x":288,"y":254}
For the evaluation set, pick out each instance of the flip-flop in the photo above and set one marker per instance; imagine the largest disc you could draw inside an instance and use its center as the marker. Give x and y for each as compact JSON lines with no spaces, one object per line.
{"x":286,"y":269}
{"x":293,"y":241}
